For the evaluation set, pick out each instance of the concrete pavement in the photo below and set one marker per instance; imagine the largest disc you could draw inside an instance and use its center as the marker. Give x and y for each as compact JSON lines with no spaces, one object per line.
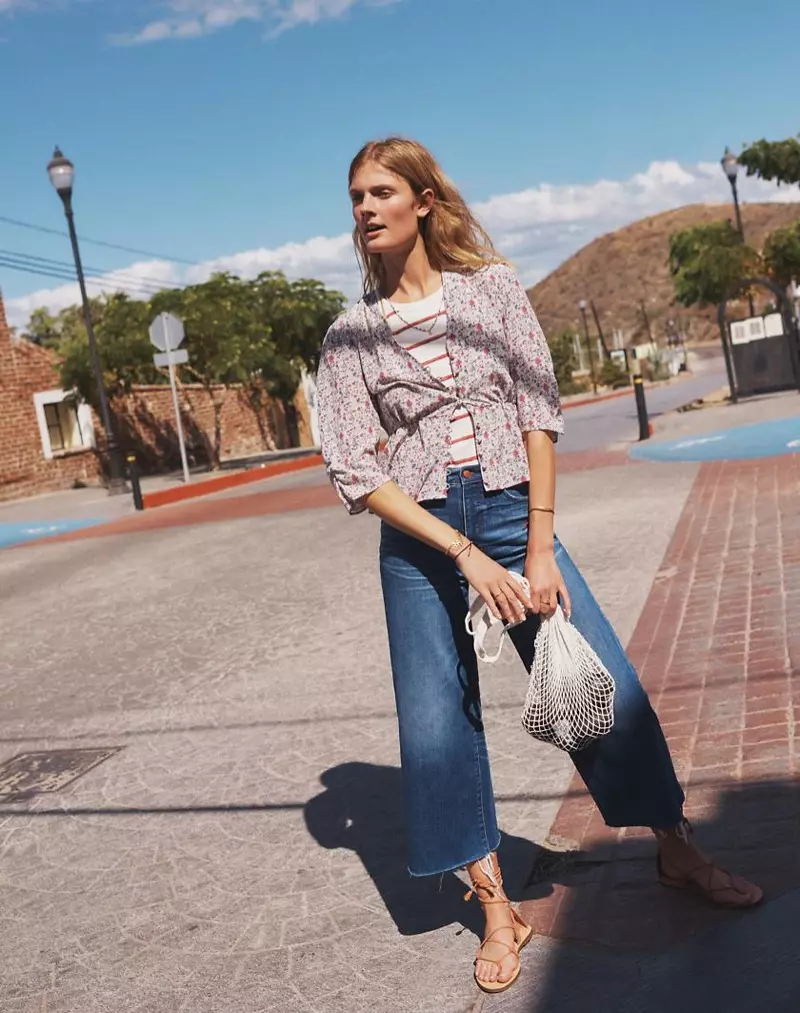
{"x":243,"y":849}
{"x":240,"y":846}
{"x":615,"y":422}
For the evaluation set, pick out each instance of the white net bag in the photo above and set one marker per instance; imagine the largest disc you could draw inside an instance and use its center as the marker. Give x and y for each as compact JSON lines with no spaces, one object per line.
{"x":570,"y":700}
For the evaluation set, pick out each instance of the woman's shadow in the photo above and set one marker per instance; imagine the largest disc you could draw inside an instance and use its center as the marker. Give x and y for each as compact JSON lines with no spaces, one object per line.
{"x":362,"y":809}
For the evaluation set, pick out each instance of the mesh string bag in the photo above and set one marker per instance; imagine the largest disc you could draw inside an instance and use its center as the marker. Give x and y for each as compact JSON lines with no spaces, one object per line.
{"x":570,"y":699}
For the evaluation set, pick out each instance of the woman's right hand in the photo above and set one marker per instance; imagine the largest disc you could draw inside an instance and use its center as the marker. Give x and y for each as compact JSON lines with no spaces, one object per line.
{"x":504,"y":595}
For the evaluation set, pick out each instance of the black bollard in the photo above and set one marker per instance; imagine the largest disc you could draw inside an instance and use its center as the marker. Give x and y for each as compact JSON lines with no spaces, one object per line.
{"x":641,"y":408}
{"x":136,"y":485}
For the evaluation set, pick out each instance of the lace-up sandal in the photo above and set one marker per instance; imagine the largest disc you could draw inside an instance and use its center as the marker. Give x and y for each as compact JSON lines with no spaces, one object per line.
{"x":737,"y":893}
{"x":487,"y":886}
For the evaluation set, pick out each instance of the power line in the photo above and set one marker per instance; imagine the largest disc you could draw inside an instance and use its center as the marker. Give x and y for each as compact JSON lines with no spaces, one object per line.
{"x":94,"y":242}
{"x":66,"y":274}
{"x":139,"y":281}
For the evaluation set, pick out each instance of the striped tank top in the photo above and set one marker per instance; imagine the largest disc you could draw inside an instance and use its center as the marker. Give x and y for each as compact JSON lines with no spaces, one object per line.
{"x":420,"y":328}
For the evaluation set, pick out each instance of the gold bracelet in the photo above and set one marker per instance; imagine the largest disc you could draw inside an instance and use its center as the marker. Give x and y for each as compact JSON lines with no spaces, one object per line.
{"x":541,"y":510}
{"x":457,"y":543}
{"x":462,"y":550}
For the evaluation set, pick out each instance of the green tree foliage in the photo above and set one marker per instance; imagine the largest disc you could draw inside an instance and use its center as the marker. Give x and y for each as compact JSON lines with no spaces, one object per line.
{"x":51,"y":331}
{"x":777,"y":161}
{"x":259,"y":334}
{"x":613,"y":375}
{"x":782,"y":254}
{"x":120,"y":325}
{"x":706,"y":261}
{"x":562,"y":350}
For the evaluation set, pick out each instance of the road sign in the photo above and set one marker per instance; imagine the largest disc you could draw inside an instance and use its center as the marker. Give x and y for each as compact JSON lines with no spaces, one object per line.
{"x":177,"y":358}
{"x":166,"y":332}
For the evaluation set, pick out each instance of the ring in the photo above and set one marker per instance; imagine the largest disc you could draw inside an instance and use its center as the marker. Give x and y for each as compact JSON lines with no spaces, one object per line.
{"x":500,"y":592}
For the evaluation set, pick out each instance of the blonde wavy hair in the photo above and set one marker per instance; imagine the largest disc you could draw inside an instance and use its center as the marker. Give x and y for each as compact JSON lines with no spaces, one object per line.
{"x":454,"y":238}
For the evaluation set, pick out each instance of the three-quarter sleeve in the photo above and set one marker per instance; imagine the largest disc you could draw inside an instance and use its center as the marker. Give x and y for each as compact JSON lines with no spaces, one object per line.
{"x":348,"y":422}
{"x":531,"y":365}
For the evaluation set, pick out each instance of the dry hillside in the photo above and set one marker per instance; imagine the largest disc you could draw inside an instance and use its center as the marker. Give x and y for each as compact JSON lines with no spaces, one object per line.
{"x":620,"y":270}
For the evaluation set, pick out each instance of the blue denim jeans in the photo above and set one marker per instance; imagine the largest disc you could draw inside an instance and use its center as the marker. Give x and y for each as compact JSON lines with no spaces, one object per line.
{"x":450,"y":810}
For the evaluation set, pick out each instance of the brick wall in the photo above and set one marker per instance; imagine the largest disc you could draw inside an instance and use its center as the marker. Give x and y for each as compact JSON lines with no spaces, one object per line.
{"x":26,"y":369}
{"x":145,"y":425}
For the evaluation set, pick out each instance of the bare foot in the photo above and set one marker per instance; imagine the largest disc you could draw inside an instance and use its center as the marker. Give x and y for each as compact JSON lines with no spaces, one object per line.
{"x":497,"y":960}
{"x":682,"y":864}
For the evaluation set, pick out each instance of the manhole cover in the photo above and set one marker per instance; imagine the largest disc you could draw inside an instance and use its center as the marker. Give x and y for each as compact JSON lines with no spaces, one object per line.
{"x":48,"y":771}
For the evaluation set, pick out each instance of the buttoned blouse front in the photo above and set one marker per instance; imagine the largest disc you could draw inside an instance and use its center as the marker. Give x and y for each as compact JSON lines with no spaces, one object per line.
{"x":367,"y":381}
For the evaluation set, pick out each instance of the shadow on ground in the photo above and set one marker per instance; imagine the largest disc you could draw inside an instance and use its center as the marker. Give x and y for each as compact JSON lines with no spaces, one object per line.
{"x":619,"y":939}
{"x":362,"y":809}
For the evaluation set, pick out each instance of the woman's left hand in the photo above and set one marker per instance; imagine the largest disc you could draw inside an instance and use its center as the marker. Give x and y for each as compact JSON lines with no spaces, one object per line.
{"x":547,"y":584}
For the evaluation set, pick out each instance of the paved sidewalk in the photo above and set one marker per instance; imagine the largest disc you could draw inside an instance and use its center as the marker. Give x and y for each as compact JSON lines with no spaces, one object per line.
{"x":718,"y":648}
{"x":244,"y":848}
{"x":240,"y":846}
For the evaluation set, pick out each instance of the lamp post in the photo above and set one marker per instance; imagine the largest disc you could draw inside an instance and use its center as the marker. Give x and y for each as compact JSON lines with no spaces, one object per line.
{"x":62,"y":174}
{"x":582,"y":306}
{"x":730,"y":166}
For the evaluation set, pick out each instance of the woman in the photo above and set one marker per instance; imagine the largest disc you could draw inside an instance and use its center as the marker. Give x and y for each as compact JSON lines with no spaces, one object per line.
{"x":445,"y":354}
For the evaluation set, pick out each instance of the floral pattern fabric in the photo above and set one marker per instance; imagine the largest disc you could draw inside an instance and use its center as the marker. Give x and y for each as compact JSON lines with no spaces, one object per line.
{"x":504,"y":378}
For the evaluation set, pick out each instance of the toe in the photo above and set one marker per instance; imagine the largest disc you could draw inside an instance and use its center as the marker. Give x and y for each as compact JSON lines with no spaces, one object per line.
{"x":486,"y":971}
{"x":507,"y":968}
{"x":746,"y":894}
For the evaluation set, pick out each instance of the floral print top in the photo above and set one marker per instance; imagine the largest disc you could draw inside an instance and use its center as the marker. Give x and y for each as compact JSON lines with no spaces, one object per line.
{"x":504,"y":378}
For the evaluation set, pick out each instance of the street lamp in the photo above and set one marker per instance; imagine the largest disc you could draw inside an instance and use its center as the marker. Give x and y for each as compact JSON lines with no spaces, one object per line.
{"x":62,"y":175}
{"x":582,"y":306}
{"x":730,"y":166}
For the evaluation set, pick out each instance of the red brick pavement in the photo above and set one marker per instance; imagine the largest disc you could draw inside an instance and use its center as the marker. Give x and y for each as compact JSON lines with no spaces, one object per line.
{"x":205,"y":511}
{"x":718,"y":650}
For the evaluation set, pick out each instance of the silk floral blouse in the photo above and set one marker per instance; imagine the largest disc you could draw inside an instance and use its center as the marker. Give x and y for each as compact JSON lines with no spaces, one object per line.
{"x":367,"y":381}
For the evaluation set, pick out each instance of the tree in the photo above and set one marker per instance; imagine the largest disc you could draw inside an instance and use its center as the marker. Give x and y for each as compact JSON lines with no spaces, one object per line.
{"x":777,"y":161}
{"x":707,"y":261}
{"x":120,"y":326}
{"x":50,"y":331}
{"x":258,"y":334}
{"x":782,"y":254}
{"x":298,"y":314}
{"x":43,"y":329}
{"x":562,"y":352}
{"x":223,"y":334}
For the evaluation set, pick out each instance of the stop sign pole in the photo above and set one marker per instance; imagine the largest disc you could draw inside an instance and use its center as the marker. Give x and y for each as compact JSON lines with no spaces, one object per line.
{"x":166,"y":334}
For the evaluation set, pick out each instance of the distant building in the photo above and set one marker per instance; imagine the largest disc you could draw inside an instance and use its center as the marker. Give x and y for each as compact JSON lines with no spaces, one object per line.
{"x":46,"y":435}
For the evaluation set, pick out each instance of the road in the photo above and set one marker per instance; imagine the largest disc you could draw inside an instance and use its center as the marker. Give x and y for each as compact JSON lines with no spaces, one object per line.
{"x":600,"y":425}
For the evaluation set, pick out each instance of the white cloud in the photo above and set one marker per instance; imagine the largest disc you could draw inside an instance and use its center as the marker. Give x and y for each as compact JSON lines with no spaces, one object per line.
{"x":181,"y":19}
{"x":136,"y":280}
{"x":537,"y":228}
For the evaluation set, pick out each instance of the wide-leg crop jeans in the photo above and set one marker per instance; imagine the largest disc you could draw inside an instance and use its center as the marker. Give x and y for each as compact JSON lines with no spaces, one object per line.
{"x":449,"y":803}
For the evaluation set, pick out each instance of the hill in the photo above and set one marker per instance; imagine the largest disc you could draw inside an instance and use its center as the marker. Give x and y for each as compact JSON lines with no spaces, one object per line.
{"x":622,"y":269}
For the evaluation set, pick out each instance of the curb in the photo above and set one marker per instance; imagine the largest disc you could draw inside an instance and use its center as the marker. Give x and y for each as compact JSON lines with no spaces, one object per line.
{"x":220,"y":483}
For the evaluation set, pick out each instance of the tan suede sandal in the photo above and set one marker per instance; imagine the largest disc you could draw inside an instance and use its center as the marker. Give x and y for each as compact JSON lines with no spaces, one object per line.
{"x":698,"y":879}
{"x":488,"y":888}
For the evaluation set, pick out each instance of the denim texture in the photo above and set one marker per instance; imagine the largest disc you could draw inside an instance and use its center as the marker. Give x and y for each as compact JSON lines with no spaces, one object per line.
{"x":450,"y":810}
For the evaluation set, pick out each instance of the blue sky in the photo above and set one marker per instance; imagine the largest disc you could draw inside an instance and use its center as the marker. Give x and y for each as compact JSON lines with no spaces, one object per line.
{"x":220,"y":131}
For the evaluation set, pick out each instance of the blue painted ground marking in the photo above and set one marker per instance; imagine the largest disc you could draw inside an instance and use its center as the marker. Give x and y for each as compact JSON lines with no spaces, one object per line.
{"x":30,"y":531}
{"x":764,"y":439}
